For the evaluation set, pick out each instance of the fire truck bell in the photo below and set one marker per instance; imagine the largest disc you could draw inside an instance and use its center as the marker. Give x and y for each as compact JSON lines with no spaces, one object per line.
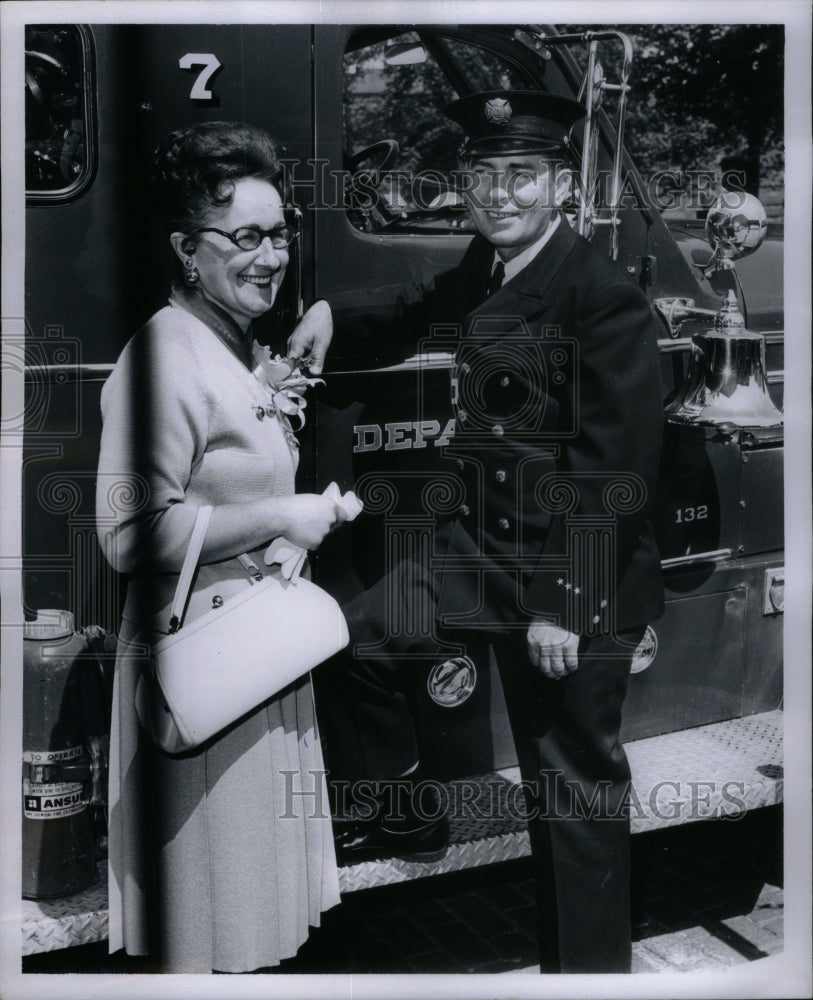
{"x":726,"y":382}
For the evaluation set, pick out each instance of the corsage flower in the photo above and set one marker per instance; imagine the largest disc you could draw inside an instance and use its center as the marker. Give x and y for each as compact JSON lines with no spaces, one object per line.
{"x":286,"y":384}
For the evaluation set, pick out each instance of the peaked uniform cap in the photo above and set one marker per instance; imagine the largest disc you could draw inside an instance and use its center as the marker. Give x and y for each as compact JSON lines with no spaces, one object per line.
{"x":502,"y":122}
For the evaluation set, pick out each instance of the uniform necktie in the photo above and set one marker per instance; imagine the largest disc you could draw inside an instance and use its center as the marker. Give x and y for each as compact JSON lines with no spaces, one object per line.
{"x":497,"y":276}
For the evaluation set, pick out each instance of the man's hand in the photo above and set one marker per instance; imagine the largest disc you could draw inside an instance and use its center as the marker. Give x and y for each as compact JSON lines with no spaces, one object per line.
{"x":553,"y":649}
{"x":312,"y":337}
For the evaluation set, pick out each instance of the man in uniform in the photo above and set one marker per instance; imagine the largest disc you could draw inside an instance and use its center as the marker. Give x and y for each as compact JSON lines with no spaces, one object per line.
{"x":549,"y":553}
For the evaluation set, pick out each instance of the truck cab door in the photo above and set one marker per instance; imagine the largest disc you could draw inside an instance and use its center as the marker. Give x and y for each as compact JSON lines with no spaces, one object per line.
{"x":114,"y":263}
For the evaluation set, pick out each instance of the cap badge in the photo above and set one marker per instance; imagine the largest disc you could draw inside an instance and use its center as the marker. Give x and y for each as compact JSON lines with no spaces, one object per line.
{"x":498,"y":111}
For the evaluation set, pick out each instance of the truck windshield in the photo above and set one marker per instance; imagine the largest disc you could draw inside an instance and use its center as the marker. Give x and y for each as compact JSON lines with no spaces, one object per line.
{"x":400,"y":148}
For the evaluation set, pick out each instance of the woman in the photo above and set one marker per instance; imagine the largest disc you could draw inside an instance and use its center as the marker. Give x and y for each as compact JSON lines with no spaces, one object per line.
{"x":217,"y":863}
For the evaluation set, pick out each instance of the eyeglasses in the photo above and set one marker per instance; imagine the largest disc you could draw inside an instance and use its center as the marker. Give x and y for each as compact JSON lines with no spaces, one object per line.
{"x":249,"y":237}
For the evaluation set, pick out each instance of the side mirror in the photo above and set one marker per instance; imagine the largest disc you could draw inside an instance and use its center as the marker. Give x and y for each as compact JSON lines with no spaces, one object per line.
{"x":736,"y":225}
{"x":404,"y":54}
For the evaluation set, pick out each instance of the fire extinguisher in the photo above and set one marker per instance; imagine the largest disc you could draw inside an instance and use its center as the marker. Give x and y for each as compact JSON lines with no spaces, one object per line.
{"x":58,"y":823}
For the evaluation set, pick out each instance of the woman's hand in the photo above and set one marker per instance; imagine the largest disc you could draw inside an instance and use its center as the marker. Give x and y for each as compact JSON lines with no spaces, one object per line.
{"x":302,"y":519}
{"x":307,"y":518}
{"x":312,"y":337}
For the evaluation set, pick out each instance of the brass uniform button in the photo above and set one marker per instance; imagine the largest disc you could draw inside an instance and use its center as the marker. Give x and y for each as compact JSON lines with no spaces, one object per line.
{"x":503,"y":523}
{"x":500,"y":475}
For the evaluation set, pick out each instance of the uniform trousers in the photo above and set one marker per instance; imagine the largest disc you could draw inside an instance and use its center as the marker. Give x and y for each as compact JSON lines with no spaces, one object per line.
{"x":566,"y":733}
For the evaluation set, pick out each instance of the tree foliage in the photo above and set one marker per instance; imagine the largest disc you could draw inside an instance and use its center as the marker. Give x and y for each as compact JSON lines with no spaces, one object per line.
{"x":705,"y":95}
{"x":410,"y":101}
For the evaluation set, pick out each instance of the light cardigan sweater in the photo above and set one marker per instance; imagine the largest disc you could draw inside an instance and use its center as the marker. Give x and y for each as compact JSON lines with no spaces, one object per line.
{"x":214,"y":861}
{"x":181,"y":429}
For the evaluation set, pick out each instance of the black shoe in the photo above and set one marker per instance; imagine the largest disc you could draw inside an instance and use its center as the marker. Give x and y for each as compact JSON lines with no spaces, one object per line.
{"x":370,"y":841}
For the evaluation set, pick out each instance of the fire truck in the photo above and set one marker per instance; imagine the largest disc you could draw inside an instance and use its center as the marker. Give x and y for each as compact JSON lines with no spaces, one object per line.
{"x":360,"y":111}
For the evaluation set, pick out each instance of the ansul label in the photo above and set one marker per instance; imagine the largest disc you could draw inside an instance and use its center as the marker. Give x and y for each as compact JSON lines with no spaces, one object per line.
{"x":46,"y":799}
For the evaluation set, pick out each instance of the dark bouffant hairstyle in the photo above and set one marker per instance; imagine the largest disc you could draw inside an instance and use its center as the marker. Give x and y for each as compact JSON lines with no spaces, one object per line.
{"x":195,"y":168}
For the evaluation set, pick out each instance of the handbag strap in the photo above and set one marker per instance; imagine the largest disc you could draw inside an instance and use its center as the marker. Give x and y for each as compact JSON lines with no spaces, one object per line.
{"x":188,"y":569}
{"x":248,"y":564}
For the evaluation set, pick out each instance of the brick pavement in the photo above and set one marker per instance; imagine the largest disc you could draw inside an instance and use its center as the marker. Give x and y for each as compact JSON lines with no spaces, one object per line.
{"x":707,"y":896}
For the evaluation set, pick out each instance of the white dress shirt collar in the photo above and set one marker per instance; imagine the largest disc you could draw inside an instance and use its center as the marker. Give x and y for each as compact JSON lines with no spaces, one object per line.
{"x":516,"y":264}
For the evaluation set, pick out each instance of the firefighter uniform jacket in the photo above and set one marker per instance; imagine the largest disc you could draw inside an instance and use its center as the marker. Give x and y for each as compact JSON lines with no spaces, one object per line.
{"x":558,"y":427}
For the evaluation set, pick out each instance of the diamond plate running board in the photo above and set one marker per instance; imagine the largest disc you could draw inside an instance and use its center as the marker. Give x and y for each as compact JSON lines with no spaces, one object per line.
{"x":725,"y":768}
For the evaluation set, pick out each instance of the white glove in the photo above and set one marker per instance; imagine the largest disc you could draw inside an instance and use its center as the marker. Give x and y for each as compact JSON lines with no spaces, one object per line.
{"x":291,"y":558}
{"x":349,"y":502}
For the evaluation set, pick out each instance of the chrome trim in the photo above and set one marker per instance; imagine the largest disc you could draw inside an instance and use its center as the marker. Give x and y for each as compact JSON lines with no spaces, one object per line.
{"x":717,"y":555}
{"x":591,"y":91}
{"x":435,"y":360}
{"x":774,"y":576}
{"x":670,"y":345}
{"x":68,"y":373}
{"x":80,"y":184}
{"x":438,"y":360}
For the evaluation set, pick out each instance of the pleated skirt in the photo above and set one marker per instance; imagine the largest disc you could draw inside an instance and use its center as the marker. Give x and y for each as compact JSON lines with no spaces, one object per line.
{"x":220,"y":859}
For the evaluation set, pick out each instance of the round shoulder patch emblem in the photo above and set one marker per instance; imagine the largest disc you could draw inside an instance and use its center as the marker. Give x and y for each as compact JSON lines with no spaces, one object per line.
{"x":645,"y":652}
{"x":451,"y":683}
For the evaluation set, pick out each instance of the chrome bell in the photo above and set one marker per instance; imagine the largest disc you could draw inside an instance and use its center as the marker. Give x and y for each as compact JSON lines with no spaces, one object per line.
{"x":726,"y":381}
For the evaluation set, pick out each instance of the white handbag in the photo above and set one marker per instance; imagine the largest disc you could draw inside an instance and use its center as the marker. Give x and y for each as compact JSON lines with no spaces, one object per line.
{"x":211,"y":672}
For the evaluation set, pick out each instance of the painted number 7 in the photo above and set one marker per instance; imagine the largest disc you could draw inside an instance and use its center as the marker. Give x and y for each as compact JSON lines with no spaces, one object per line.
{"x":210,"y":63}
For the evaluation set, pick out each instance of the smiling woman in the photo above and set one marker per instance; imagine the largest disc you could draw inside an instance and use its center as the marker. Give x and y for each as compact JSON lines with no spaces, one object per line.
{"x":217,"y":868}
{"x":240,"y":259}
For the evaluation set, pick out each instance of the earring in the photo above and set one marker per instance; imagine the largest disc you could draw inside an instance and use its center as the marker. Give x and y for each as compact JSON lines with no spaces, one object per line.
{"x":191,"y":276}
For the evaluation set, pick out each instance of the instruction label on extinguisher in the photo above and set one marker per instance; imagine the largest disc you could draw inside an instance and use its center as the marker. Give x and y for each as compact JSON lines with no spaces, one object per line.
{"x":47,"y":799}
